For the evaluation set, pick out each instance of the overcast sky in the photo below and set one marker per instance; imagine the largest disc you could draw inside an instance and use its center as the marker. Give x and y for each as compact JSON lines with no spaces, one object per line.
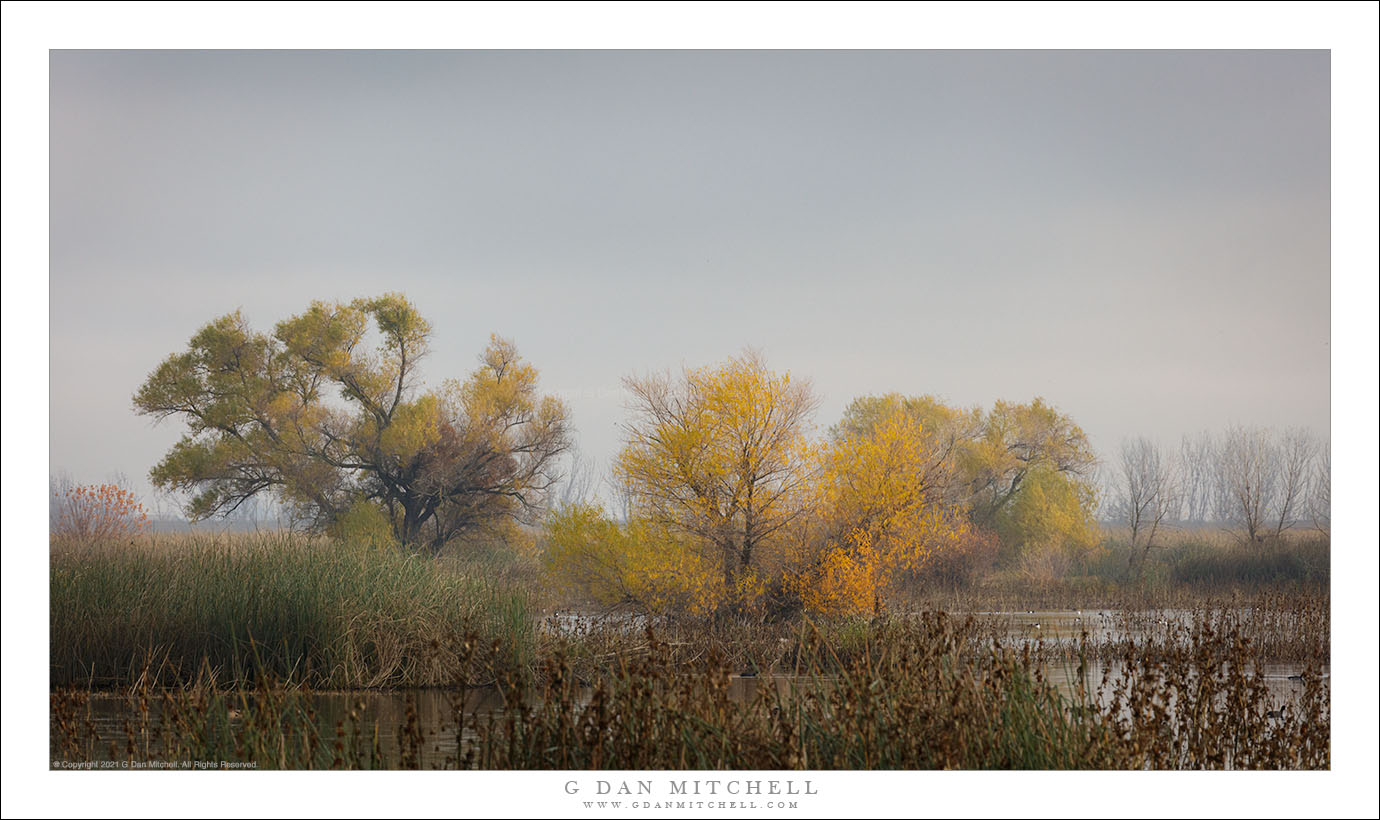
{"x":1142,"y":238}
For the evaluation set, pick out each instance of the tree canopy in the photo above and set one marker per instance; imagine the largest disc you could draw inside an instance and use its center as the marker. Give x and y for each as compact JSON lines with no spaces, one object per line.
{"x":339,"y":430}
{"x":722,"y":455}
{"x":883,"y":507}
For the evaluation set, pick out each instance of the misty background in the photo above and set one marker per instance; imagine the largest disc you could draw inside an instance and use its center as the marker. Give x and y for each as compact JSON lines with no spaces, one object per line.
{"x":1142,"y":238}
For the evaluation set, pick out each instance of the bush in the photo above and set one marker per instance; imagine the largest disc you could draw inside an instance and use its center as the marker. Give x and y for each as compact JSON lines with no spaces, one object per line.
{"x":104,"y":512}
{"x":969,"y":557}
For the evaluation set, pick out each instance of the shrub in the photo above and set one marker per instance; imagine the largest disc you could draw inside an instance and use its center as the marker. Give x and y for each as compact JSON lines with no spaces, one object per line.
{"x":104,"y":512}
{"x":970,"y":556}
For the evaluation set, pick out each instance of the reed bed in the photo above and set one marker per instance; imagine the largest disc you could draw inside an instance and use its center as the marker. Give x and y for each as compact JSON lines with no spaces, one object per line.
{"x":1185,"y":568}
{"x":916,"y":694}
{"x":230,"y":608}
{"x":282,"y":651}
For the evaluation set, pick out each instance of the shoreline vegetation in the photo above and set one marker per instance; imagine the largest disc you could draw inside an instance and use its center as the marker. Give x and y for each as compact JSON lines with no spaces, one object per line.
{"x":343,"y":615}
{"x":221,"y":645}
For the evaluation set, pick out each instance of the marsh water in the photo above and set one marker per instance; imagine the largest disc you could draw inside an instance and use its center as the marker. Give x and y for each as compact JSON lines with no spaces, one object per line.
{"x":446,"y":720}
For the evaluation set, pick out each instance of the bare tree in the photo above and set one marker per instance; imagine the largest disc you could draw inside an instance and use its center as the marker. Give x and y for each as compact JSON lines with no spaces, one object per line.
{"x":1197,"y":457}
{"x":60,"y":486}
{"x":580,"y":483}
{"x":1248,"y":464}
{"x":1207,"y":492}
{"x":1149,"y":489}
{"x":1320,"y":491}
{"x":1296,"y":451}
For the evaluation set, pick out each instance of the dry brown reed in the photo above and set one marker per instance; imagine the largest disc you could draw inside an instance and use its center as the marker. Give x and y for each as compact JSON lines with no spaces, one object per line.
{"x":928,"y":692}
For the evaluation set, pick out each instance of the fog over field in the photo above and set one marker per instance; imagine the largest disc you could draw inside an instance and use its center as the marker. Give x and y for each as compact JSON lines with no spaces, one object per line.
{"x":1142,"y":238}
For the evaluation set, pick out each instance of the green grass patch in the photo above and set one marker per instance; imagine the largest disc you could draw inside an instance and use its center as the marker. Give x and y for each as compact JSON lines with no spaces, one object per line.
{"x":230,"y":609}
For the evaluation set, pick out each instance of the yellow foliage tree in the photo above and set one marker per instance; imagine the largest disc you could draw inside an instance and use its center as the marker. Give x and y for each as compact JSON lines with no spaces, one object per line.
{"x":883,"y":511}
{"x":1015,"y":441}
{"x":946,"y":431}
{"x":720,"y":459}
{"x":733,"y":507}
{"x":1051,"y":517}
{"x":990,"y":462}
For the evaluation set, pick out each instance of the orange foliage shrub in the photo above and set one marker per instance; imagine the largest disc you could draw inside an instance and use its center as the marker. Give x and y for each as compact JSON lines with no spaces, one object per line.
{"x":96,"y":513}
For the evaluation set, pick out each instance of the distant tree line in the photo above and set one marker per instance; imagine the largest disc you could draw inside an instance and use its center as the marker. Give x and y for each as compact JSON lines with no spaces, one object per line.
{"x":1258,"y":482}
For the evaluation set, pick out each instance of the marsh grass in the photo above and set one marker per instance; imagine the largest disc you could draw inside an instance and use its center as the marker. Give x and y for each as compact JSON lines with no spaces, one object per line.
{"x":215,"y":647}
{"x":1186,"y":567}
{"x":1303,"y":561}
{"x":907,"y":696}
{"x":918,"y":694}
{"x":1217,"y":561}
{"x":304,"y":610}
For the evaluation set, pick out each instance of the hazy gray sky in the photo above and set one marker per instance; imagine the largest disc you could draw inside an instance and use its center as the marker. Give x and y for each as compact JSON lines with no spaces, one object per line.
{"x":1140,"y":237}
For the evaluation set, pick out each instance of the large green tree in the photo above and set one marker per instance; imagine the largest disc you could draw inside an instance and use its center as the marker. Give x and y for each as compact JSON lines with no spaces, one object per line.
{"x":339,"y":430}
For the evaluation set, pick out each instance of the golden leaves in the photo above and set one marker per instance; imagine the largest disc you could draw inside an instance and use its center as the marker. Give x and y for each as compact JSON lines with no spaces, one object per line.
{"x":883,"y":514}
{"x":413,"y":428}
{"x":630,"y":562}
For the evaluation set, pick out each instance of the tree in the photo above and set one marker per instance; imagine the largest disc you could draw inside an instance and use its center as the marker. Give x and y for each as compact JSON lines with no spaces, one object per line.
{"x":630,"y":563}
{"x":1149,"y":494}
{"x":1260,"y":480}
{"x":1050,"y":519}
{"x":340,"y":432}
{"x":1320,"y":491}
{"x":1248,"y":471}
{"x":720,"y":456}
{"x":883,"y":510}
{"x":1296,"y":452}
{"x":580,"y":484}
{"x":1203,"y":497}
{"x":941,"y":432}
{"x":93,"y":513}
{"x":982,"y":463}
{"x":1016,"y":439}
